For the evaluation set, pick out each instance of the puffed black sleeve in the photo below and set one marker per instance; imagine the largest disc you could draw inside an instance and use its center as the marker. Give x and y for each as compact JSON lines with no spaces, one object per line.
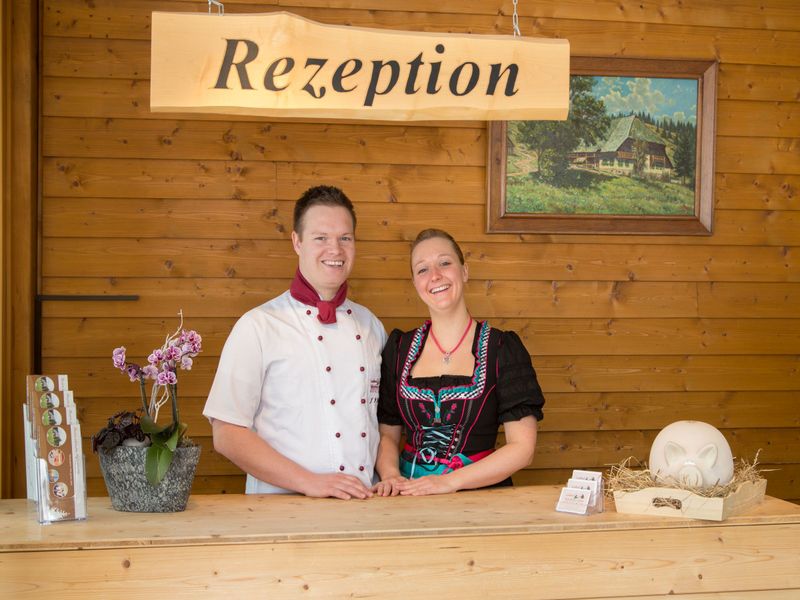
{"x":518,"y":392}
{"x":388,"y":411}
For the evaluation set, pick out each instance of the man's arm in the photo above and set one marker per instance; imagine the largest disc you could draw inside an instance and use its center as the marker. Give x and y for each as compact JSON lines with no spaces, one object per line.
{"x":244,"y":448}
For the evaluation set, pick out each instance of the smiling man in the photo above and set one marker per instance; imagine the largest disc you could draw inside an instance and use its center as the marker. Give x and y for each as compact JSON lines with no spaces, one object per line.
{"x":294,"y":399}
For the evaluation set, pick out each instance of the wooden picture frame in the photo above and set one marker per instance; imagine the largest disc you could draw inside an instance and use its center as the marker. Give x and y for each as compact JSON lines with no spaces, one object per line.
{"x":594,"y":161}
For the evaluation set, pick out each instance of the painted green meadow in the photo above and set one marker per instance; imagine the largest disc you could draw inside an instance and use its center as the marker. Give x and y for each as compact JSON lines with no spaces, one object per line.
{"x":589,"y":192}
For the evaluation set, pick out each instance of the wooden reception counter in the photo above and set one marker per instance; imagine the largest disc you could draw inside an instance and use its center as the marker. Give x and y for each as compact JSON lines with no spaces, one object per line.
{"x":507,"y":543}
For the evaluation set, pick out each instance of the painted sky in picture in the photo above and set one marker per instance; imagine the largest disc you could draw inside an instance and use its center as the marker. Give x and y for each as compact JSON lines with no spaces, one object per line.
{"x":661,"y":97}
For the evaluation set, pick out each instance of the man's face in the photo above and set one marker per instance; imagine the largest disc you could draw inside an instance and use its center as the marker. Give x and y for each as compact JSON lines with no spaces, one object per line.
{"x":326,"y":248}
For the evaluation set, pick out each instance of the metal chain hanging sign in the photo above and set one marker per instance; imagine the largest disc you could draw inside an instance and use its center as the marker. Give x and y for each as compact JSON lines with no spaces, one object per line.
{"x":281,"y":65}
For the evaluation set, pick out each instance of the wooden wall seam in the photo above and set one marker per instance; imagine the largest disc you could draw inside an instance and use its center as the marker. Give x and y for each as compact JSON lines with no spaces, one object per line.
{"x":22,"y":211}
{"x":5,"y":258}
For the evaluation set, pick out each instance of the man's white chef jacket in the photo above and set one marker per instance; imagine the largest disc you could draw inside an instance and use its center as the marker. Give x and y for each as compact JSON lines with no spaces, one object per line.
{"x":310,"y":390}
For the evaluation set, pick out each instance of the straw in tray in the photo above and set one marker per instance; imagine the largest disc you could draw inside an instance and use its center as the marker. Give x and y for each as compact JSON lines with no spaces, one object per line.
{"x":622,"y":478}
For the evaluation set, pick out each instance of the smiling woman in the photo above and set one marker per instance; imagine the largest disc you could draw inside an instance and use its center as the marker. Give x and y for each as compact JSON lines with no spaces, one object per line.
{"x":452,"y":395}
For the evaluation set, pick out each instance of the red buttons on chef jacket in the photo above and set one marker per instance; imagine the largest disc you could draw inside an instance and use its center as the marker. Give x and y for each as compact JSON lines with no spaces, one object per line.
{"x":327,"y":369}
{"x":308,"y":312}
{"x":319,"y":337}
{"x":358,"y":336}
{"x":363,"y":434}
{"x":338,"y":434}
{"x":349,"y":312}
{"x":333,"y":401}
{"x":363,"y":401}
{"x":361,"y":369}
{"x":341,"y":467}
{"x":361,"y":468}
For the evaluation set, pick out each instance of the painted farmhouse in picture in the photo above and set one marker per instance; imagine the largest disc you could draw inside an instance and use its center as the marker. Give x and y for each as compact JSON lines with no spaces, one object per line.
{"x":629,"y":141}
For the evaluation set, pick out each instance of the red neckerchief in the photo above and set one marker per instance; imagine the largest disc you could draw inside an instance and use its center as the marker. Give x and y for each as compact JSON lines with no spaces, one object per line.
{"x":302,"y":291}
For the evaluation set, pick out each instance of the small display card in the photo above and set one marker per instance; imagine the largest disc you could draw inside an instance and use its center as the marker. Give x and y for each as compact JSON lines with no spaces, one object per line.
{"x":583,"y":494}
{"x":573,"y":500}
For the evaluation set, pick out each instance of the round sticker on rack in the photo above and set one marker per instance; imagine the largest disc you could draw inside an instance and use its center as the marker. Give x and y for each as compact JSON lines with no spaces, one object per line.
{"x":55,"y":457}
{"x":51,"y":417}
{"x":52,"y":475}
{"x":56,"y":436}
{"x":60,"y":489}
{"x":49,"y":400}
{"x":44,"y":384}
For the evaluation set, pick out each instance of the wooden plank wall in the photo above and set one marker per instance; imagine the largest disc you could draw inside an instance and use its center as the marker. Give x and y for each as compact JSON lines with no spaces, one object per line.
{"x":19,"y":205}
{"x":627,"y":333}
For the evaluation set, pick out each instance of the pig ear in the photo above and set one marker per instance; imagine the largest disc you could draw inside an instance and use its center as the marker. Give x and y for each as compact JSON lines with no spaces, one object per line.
{"x":674,"y":453}
{"x":707,"y":455}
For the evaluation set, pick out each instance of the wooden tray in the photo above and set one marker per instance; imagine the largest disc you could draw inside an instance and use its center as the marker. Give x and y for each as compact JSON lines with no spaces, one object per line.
{"x":672,"y":502}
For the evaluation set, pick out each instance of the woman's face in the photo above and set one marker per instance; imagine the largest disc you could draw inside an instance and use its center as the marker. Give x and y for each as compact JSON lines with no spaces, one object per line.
{"x":438,"y":275}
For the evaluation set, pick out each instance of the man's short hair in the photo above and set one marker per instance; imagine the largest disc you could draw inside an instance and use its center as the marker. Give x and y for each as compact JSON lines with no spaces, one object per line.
{"x":321,"y":195}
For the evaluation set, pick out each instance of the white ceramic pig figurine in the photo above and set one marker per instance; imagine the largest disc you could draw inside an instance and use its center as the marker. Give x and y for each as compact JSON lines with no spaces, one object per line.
{"x":693,"y":453}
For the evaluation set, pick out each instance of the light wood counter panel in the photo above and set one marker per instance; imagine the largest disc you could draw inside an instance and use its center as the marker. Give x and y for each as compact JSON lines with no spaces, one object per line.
{"x":509,"y":541}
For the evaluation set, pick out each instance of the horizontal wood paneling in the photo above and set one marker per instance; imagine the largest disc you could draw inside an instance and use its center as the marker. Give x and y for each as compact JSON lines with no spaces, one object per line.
{"x":553,"y":336}
{"x":130,"y":19}
{"x":754,"y":192}
{"x":627,"y":333}
{"x":226,"y":297}
{"x":246,"y":218}
{"x":669,"y":373}
{"x":564,"y":411}
{"x":558,"y":450}
{"x":758,"y":82}
{"x":304,"y":142}
{"x":202,"y":484}
{"x":767,"y":299}
{"x":758,"y":119}
{"x":556,"y":374}
{"x":130,"y":99}
{"x":154,"y":178}
{"x":773,"y":14}
{"x":160,"y":257}
{"x":249,"y":180}
{"x":758,"y":155}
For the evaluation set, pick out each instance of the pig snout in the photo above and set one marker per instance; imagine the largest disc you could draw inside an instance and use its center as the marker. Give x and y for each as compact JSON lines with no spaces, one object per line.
{"x":690,"y":475}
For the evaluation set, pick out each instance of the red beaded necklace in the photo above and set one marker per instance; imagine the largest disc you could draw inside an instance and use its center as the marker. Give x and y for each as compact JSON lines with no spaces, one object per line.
{"x":446,"y":355}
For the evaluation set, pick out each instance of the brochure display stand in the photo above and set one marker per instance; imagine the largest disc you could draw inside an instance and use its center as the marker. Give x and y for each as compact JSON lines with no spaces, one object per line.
{"x":583,"y":494}
{"x":54,"y":460}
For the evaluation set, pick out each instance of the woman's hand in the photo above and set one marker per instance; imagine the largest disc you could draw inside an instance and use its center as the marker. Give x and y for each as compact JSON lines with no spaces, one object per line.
{"x":389,"y":486}
{"x":426,"y":486}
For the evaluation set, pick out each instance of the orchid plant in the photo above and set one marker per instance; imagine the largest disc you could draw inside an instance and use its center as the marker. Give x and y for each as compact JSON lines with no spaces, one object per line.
{"x":178,"y":352}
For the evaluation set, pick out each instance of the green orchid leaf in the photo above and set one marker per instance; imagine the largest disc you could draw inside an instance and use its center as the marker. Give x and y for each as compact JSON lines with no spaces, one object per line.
{"x":172,"y":441}
{"x":162,"y":437}
{"x":150,"y":427}
{"x":157,"y":463}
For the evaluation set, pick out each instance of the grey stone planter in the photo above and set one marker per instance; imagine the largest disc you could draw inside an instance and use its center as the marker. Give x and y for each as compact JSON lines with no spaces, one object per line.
{"x":127,"y":485}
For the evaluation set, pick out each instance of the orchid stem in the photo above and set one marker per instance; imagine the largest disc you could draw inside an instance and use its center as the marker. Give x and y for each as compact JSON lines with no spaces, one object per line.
{"x":144,"y":395}
{"x":173,"y":392}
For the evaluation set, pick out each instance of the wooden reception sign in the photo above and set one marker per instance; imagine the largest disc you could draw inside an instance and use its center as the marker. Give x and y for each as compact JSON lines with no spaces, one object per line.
{"x":281,"y":65}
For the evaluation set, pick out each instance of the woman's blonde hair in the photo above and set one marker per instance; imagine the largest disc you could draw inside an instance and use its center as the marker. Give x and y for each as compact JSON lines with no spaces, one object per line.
{"x":427,"y":234}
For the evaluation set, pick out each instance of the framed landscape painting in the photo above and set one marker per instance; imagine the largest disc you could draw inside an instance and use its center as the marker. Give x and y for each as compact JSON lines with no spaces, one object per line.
{"x":635,"y":155}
